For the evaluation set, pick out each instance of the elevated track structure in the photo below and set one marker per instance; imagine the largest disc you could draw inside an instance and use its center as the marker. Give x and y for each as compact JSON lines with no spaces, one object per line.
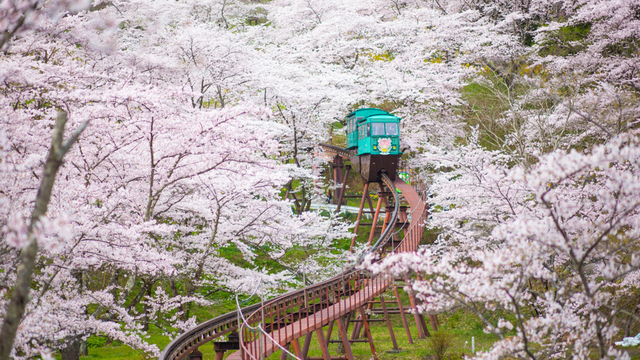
{"x":260,"y":330}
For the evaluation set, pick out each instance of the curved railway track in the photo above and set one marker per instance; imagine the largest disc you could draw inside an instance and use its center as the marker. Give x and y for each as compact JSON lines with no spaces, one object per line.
{"x":203,"y":333}
{"x":302,"y":311}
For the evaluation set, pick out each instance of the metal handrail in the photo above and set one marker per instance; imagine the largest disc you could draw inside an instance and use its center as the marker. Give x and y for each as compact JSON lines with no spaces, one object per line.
{"x":259,"y":328}
{"x":202,"y":333}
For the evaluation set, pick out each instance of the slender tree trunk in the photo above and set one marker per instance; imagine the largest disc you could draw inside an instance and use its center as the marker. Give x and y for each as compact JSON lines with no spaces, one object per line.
{"x":20,"y":296}
{"x":145,"y":325}
{"x":84,"y":348}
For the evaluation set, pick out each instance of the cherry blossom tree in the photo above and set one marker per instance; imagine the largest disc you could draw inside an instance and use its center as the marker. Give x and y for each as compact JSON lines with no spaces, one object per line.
{"x":555,"y":248}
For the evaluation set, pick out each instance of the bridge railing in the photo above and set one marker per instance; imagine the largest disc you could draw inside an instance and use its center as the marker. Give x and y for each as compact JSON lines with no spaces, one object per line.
{"x":295,"y":314}
{"x":413,"y":235}
{"x":203,"y":333}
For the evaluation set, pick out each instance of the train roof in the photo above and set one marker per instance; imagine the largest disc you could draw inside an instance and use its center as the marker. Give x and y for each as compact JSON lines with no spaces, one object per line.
{"x":364,"y":113}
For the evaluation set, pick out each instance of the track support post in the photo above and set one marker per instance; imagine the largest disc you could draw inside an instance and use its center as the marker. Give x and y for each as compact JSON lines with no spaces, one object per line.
{"x":345,"y":339}
{"x":337,"y":176}
{"x":367,"y":330}
{"x":323,"y":344}
{"x":404,"y":316}
{"x":388,"y":321}
{"x":347,"y":170}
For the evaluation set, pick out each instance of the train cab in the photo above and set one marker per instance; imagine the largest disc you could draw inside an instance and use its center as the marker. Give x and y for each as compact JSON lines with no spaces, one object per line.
{"x":375,"y":136}
{"x":373,"y":131}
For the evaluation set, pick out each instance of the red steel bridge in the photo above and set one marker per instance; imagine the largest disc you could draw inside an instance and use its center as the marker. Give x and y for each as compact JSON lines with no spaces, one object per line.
{"x":336,"y":306}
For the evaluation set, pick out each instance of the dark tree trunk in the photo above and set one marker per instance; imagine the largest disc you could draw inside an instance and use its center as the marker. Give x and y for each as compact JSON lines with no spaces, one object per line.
{"x":84,"y":349}
{"x":72,"y":351}
{"x":145,"y":325}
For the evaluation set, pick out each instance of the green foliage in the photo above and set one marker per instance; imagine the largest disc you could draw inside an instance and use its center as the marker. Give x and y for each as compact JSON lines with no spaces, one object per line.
{"x":233,"y":254}
{"x":439,"y":343}
{"x":430,"y":235}
{"x":627,"y":48}
{"x":483,"y":107}
{"x":96,"y":341}
{"x":568,"y":40}
{"x":257,"y":16}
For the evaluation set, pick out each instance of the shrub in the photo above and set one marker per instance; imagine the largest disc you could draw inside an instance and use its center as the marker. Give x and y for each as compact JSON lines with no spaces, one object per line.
{"x":439,"y":343}
{"x":96,"y":341}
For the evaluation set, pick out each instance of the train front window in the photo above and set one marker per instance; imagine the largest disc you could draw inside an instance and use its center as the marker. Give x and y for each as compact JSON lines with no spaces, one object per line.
{"x":377,"y":129}
{"x":392,"y":128}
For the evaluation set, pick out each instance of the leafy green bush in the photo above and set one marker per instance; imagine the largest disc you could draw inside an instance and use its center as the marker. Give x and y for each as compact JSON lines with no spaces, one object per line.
{"x":96,"y":341}
{"x":439,"y":343}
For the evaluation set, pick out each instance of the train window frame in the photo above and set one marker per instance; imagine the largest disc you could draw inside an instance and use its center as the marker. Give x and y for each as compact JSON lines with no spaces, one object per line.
{"x":395,"y":128}
{"x":378,"y":129}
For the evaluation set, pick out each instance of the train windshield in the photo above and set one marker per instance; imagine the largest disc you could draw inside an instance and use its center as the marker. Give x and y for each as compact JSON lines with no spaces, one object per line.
{"x":392,"y":128}
{"x":377,"y":129}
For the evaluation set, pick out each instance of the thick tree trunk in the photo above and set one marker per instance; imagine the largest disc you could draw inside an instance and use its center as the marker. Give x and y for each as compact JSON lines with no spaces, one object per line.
{"x":72,"y":351}
{"x":20,"y":295}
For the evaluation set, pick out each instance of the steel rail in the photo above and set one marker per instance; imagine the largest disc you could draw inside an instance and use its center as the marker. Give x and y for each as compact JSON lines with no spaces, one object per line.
{"x":205,"y":332}
{"x":390,"y":229}
{"x":338,"y":150}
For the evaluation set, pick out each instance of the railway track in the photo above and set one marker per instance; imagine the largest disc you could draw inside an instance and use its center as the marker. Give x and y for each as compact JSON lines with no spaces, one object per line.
{"x":300,"y":312}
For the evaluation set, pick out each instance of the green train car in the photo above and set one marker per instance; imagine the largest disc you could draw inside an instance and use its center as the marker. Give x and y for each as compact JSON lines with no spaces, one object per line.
{"x":375,"y":136}
{"x":373,"y":131}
